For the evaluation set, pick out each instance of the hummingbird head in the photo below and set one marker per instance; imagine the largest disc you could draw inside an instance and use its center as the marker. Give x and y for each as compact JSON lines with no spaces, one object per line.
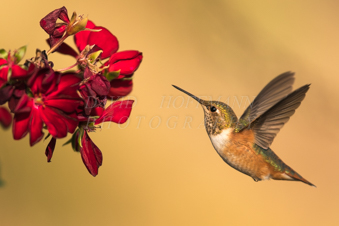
{"x":218,"y":115}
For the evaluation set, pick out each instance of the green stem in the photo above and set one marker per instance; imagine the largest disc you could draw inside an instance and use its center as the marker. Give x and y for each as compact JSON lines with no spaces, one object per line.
{"x":57,"y":45}
{"x":67,"y":68}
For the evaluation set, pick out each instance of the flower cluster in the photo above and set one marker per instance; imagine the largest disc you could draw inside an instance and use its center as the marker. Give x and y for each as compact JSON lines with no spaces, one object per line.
{"x":46,"y":101}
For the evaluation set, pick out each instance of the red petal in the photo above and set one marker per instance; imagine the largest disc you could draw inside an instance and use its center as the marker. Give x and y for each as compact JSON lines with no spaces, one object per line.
{"x":65,"y":105}
{"x":20,"y":125}
{"x":50,"y":124}
{"x":69,"y":119}
{"x":3,"y":61}
{"x":120,"y":88}
{"x":81,"y":38}
{"x":124,"y":55}
{"x":5,"y":117}
{"x":23,"y":105}
{"x":3,"y":75}
{"x":90,"y":154}
{"x":67,"y":87}
{"x":71,"y":122}
{"x":88,"y":73}
{"x":59,"y":31}
{"x":117,"y":112}
{"x":2,"y":82}
{"x":50,"y":149}
{"x":50,"y":82}
{"x":58,"y":123}
{"x":97,"y":111}
{"x":36,"y":133}
{"x":126,"y":67}
{"x":49,"y":21}
{"x":100,"y":85}
{"x":18,"y":72}
{"x":63,"y":14}
{"x":6,"y":93}
{"x":105,"y":40}
{"x":36,"y":86}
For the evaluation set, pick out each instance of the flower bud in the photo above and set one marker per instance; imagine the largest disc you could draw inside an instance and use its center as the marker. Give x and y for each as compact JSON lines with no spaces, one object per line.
{"x":77,"y":24}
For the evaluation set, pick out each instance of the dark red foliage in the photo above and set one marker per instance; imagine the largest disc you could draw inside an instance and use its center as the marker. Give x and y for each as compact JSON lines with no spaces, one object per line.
{"x":54,"y":29}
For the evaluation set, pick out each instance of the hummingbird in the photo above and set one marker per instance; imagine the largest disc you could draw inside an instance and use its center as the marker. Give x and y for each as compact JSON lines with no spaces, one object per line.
{"x":244,"y":143}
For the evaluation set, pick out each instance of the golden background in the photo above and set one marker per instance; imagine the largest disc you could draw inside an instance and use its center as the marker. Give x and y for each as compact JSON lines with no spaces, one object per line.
{"x":169,"y":174}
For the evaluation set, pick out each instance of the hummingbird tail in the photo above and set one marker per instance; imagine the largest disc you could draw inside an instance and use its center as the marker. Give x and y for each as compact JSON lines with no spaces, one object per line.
{"x":292,"y":175}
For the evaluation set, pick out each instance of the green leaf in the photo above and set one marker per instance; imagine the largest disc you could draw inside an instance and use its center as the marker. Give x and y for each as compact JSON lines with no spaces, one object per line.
{"x":69,"y":141}
{"x":19,"y":54}
{"x":81,"y":134}
{"x":72,"y":141}
{"x":127,"y":79}
{"x":3,"y":54}
{"x":93,"y":56}
{"x":80,"y":26}
{"x":73,"y":18}
{"x":112,"y":75}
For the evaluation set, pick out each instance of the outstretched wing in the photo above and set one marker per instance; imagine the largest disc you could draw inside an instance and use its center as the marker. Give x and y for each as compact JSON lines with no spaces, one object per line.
{"x":267,"y":126}
{"x":271,"y":94}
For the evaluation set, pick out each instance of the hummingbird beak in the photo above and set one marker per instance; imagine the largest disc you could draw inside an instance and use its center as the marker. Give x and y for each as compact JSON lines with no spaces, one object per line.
{"x":189,"y":94}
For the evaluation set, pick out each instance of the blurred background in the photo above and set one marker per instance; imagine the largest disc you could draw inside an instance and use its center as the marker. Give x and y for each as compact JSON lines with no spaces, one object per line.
{"x":160,"y":167}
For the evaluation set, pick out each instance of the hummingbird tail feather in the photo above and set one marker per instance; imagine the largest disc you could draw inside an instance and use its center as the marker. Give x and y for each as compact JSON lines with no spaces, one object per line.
{"x":295,"y":176}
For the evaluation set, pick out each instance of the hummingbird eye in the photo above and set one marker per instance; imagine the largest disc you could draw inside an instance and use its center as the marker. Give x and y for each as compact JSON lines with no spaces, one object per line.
{"x":213,"y":109}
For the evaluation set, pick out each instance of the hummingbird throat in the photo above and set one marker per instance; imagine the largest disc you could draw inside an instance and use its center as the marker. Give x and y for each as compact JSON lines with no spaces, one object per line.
{"x":216,"y":122}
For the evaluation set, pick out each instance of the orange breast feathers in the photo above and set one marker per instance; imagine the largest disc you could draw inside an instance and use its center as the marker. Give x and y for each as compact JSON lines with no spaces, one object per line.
{"x":239,"y":153}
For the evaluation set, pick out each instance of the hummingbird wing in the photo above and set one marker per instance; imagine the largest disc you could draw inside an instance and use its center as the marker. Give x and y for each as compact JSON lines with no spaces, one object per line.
{"x":271,"y":94}
{"x":267,"y":126}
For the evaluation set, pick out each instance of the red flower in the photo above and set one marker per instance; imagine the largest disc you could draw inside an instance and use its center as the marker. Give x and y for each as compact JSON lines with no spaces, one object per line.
{"x":5,"y":117}
{"x":91,"y":155}
{"x":12,"y":76}
{"x":9,"y":67}
{"x":123,"y":64}
{"x":104,"y":39}
{"x":53,"y":102}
